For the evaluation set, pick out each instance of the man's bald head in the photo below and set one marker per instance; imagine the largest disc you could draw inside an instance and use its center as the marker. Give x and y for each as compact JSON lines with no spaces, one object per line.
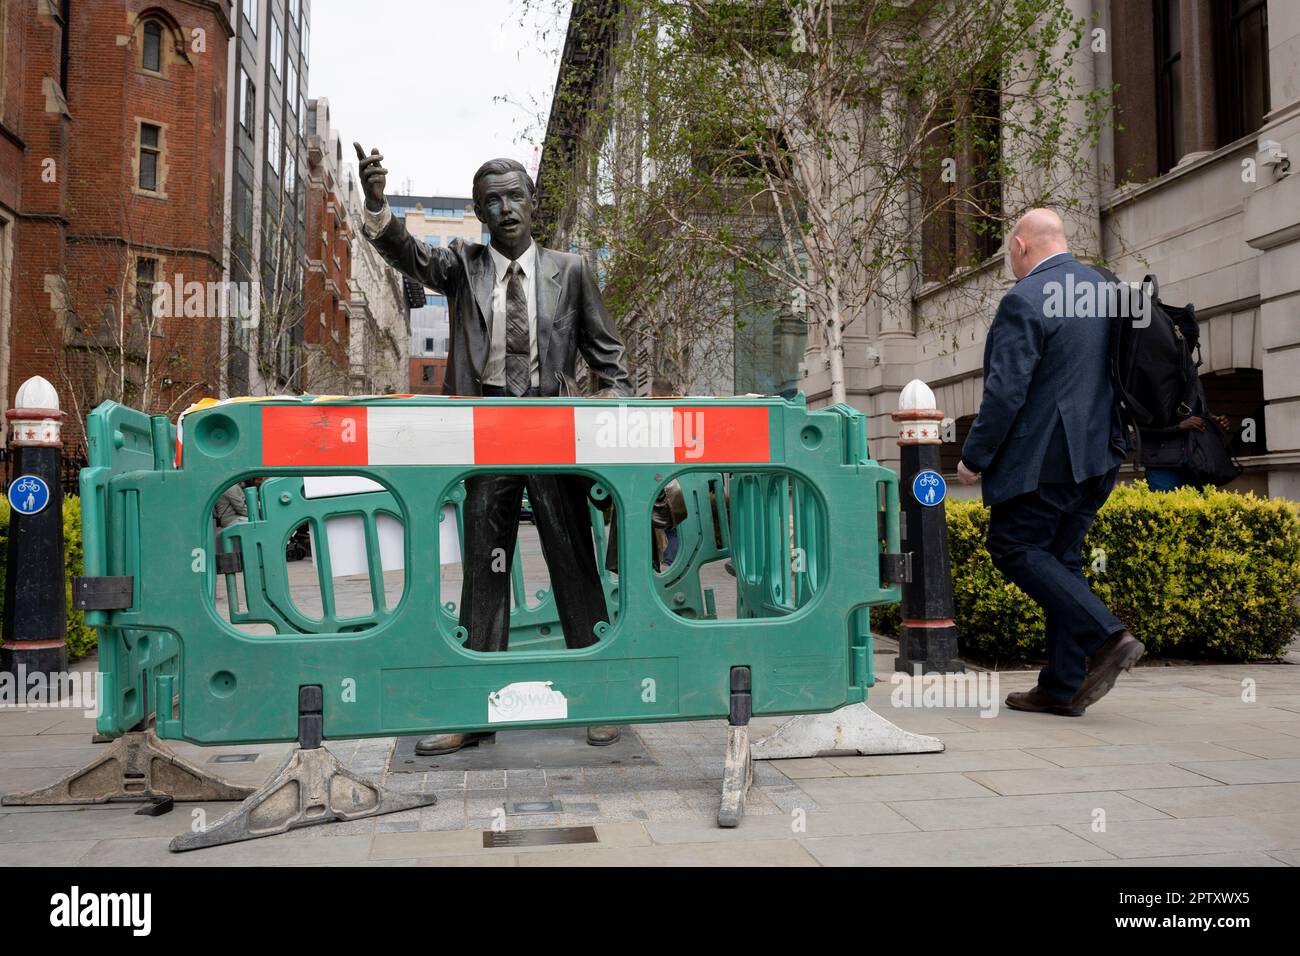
{"x":1038,"y":234}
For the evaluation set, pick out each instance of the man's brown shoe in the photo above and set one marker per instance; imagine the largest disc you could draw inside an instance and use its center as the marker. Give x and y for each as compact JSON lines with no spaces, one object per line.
{"x":437,"y":744}
{"x":603,"y":735}
{"x":1035,"y":701}
{"x":1120,"y":652}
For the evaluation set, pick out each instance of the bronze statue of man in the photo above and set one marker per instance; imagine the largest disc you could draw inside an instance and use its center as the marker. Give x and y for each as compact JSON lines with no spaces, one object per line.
{"x":519,"y":316}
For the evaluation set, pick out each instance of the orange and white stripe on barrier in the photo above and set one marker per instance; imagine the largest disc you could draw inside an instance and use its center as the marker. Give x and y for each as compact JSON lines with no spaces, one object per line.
{"x":364,"y":435}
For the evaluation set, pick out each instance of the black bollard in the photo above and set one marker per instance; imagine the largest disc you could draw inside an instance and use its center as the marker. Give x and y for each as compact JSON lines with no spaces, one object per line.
{"x":35,"y":609}
{"x":927,"y":636}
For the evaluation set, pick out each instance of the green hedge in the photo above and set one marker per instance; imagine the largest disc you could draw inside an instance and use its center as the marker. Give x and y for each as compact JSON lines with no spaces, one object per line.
{"x":1195,"y":573}
{"x":81,"y":639}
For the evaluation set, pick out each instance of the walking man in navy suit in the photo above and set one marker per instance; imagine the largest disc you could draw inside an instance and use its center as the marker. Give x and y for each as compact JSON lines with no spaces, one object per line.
{"x":1047,"y":444}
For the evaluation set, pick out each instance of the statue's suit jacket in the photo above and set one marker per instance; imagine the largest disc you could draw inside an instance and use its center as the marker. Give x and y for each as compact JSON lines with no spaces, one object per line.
{"x":571,"y":317}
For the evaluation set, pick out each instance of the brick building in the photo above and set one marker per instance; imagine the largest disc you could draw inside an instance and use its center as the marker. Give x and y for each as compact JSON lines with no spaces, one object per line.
{"x":329,"y":237}
{"x":112,"y":118}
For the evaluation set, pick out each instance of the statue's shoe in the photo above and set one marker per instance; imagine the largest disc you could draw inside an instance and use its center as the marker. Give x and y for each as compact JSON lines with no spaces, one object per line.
{"x":603,"y":735}
{"x":436,"y":744}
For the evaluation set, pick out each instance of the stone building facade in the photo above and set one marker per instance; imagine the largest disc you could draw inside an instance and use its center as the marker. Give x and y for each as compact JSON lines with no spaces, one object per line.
{"x":1195,"y":181}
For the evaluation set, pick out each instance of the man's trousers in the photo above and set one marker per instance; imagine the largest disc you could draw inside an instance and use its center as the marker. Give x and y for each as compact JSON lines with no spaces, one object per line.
{"x":1035,"y":540}
{"x":491,"y":525}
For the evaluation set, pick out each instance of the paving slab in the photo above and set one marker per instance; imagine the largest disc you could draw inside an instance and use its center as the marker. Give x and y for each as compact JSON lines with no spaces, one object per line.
{"x":1174,"y":752}
{"x":949,"y":761}
{"x":892,"y":788}
{"x":781,"y":853}
{"x":1018,"y":811}
{"x":1283,"y":770}
{"x":1175,"y":837}
{"x":1082,"y":779}
{"x":1222,"y":801}
{"x":839,"y":821}
{"x":1266,"y":745}
{"x":289,"y":849}
{"x":1212,"y":860}
{"x":1015,"y":846}
{"x":49,"y":853}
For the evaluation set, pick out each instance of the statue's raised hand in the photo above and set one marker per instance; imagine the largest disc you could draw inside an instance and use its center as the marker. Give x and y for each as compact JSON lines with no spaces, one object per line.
{"x":373,"y":177}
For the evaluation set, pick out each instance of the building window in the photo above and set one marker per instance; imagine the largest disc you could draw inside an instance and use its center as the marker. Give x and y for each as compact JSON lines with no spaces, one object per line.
{"x":961,"y":187}
{"x":291,"y":88}
{"x":302,"y":115}
{"x":1169,"y":84}
{"x":306,"y":40}
{"x":247,"y":101}
{"x":150,"y":150}
{"x":1242,"y":67}
{"x":433,"y":240}
{"x":243,"y":202}
{"x":146,"y":274}
{"x":151,"y":49}
{"x":250,"y":14}
{"x":290,"y":171}
{"x":428,"y":344}
{"x":277,"y":46}
{"x":429,"y":374}
{"x":273,"y":145}
{"x":294,"y":7}
{"x":985,"y":216}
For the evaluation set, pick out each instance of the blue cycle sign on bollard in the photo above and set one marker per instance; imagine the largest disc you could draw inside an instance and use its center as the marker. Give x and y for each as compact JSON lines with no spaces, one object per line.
{"x":928,"y":487}
{"x":28,"y":494}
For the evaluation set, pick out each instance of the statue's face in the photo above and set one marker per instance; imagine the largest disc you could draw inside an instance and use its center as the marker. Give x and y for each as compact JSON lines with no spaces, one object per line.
{"x":506,"y":205}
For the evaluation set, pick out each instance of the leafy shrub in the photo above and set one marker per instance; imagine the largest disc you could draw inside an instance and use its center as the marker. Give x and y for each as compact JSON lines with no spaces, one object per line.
{"x":1195,"y":573}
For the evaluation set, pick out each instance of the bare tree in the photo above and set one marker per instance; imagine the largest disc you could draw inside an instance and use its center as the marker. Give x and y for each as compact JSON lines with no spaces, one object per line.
{"x":824,"y":157}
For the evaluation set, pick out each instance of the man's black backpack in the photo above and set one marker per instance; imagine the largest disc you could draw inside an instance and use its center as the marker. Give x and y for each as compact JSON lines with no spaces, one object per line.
{"x":1155,"y":375}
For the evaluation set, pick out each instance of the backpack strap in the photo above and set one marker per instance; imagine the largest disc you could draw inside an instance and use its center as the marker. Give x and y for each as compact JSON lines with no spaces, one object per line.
{"x":1123,"y":410}
{"x":1152,"y":281}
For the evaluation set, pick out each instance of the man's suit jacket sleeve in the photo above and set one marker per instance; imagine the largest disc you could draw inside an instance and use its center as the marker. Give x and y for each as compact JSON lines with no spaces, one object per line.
{"x":597,"y":339}
{"x":1015,"y":344}
{"x":431,"y":266}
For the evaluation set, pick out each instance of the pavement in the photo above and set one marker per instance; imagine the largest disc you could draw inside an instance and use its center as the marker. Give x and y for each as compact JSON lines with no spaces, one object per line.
{"x":1173,"y":767}
{"x":1191,"y":765}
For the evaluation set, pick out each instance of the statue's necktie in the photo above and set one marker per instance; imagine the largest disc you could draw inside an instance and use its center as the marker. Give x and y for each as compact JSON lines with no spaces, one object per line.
{"x":518,"y":358}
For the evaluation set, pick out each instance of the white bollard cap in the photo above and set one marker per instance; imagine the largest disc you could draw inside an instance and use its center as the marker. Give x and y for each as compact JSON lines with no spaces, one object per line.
{"x":34,"y":421}
{"x":918,"y":418}
{"x":36,"y":392}
{"x":916,"y":394}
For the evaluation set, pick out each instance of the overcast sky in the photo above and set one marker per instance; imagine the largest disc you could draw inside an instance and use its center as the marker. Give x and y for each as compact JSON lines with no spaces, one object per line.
{"x":422,"y":81}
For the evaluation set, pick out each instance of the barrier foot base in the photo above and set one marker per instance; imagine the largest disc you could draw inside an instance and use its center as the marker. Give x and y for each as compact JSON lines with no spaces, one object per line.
{"x":137,"y":768}
{"x":737,"y":776}
{"x":854,"y":728}
{"x":309,"y":788}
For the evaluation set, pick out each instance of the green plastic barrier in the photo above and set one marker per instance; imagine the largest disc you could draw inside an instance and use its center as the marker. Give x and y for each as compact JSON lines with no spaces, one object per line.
{"x":766,"y":477}
{"x":123,"y":443}
{"x":279,"y":506}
